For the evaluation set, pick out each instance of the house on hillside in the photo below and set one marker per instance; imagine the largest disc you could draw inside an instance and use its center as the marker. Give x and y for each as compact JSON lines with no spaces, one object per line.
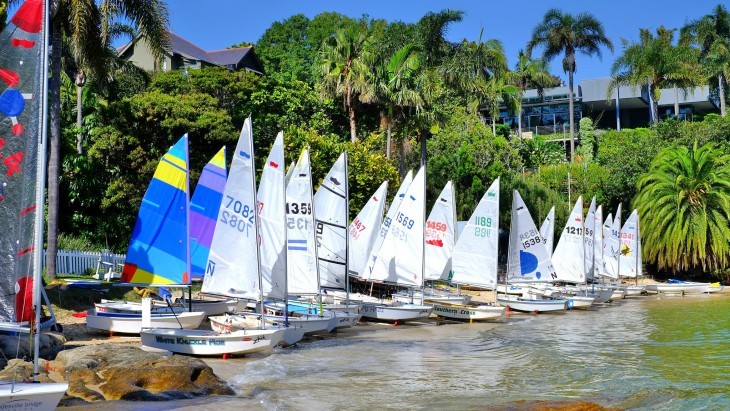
{"x":184,"y":55}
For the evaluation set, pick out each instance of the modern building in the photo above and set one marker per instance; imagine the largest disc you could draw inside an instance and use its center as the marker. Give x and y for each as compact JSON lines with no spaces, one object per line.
{"x":548,"y":114}
{"x":184,"y":55}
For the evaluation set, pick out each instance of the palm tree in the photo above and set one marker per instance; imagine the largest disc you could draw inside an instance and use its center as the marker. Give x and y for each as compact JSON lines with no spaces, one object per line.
{"x":684,"y":200}
{"x":344,"y":70}
{"x":567,"y":34}
{"x":81,"y":24}
{"x":712,"y":34}
{"x":655,"y":61}
{"x":397,"y":88}
{"x":529,"y":73}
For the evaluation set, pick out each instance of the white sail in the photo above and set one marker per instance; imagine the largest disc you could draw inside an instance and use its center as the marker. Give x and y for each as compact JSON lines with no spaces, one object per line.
{"x":547,"y":230}
{"x":232,"y":267}
{"x":610,"y":249}
{"x":630,"y":252}
{"x":598,"y":242}
{"x":364,"y":229}
{"x":272,"y":222}
{"x":590,"y":228}
{"x":400,"y":259}
{"x":569,"y":256}
{"x":475,"y":255}
{"x":290,"y":171}
{"x":528,"y":260}
{"x":386,"y":223}
{"x":440,"y":235}
{"x":330,"y":208}
{"x":301,"y":256}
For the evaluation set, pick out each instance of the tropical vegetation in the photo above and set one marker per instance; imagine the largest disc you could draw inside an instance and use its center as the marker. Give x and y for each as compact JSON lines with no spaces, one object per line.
{"x":394,"y":95}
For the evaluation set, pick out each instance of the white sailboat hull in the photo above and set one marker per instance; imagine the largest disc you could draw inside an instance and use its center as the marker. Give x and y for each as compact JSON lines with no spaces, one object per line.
{"x":679,"y":288}
{"x":133,"y":307}
{"x":579,"y":301}
{"x":31,"y":396}
{"x":464,"y":312}
{"x":404,"y":312}
{"x":634,"y":290}
{"x":233,"y":322}
{"x":210,"y":307}
{"x":536,"y":306}
{"x":133,"y":324}
{"x":206,"y":342}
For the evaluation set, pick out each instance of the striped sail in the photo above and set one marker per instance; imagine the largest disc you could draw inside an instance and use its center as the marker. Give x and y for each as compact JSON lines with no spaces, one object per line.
{"x":400,"y":259}
{"x":475,"y":254}
{"x":232,"y":267}
{"x":301,"y":256}
{"x":528,"y":260}
{"x":386,"y":223}
{"x":440,"y":235}
{"x":204,"y":207}
{"x":330,"y":208}
{"x":159,"y":252}
{"x":364,"y":229}
{"x":272,"y":220}
{"x":21,"y":76}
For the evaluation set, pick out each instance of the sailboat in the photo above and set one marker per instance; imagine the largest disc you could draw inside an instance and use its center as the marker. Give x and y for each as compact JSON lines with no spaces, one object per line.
{"x":204,"y":205}
{"x":630,"y":255}
{"x":158,"y":252}
{"x":401,"y":257}
{"x":474,"y":261}
{"x":24,"y":58}
{"x":528,"y":261}
{"x":232,"y":269}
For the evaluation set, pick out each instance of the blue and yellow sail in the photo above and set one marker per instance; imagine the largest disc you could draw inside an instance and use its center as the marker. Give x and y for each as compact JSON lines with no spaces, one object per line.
{"x":204,"y":208}
{"x":159,"y":250}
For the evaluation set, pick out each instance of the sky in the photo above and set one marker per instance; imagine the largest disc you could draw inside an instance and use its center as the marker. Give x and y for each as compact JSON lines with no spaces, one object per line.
{"x":217,"y":24}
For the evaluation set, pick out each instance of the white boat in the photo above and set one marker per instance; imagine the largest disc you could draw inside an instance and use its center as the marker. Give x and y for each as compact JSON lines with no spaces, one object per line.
{"x":510,"y":289}
{"x":440,"y":235}
{"x":126,"y":323}
{"x":308,"y":325}
{"x":468,"y":312}
{"x":715,"y":288}
{"x":31,"y":396}
{"x":133,"y":308}
{"x":531,"y":305}
{"x":432,"y":298}
{"x":228,"y":322}
{"x":547,"y":230}
{"x":364,"y":230}
{"x":569,"y":256}
{"x":589,"y":225}
{"x":208,"y":342}
{"x":397,"y":313}
{"x":297,"y":309}
{"x":619,"y":293}
{"x":600,"y":295}
{"x":634,"y":290}
{"x":686,"y":287}
{"x":579,"y":301}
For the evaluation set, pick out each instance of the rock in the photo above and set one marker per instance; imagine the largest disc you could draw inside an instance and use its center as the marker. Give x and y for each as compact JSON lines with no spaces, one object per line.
{"x":123,"y":372}
{"x":13,"y":346}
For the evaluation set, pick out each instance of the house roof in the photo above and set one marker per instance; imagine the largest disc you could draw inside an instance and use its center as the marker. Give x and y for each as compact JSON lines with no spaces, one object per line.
{"x":179,"y":45}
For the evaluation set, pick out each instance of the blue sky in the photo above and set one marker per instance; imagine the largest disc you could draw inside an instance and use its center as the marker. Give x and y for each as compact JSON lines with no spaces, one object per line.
{"x":217,"y":24}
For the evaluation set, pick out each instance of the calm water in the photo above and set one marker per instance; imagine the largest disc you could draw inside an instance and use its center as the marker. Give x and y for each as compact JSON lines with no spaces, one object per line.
{"x":648,"y":354}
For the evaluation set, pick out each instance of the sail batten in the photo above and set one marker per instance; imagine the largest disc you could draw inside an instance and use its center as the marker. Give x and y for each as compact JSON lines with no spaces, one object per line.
{"x":364,"y":229}
{"x":330,"y":205}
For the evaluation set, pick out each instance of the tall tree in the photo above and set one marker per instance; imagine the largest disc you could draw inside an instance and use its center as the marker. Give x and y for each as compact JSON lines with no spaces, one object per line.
{"x":529,"y":73}
{"x":712,"y":34}
{"x":656,"y":61}
{"x":343,"y":70}
{"x":563,"y":33}
{"x":684,"y":200}
{"x":81,"y":23}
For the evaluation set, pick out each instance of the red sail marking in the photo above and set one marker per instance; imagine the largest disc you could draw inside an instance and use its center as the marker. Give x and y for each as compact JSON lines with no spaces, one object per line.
{"x":10,"y":77}
{"x":29,"y":16}
{"x":13,"y":162}
{"x":22,"y":43}
{"x":26,"y":251}
{"x":273,"y":164}
{"x":437,"y":243}
{"x":375,"y":198}
{"x":27,"y":210}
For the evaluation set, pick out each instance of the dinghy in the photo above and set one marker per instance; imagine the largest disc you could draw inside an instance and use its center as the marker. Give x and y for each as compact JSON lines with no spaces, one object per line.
{"x":208,"y":342}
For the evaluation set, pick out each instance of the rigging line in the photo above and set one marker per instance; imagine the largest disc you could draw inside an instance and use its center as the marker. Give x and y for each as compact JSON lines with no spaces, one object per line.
{"x":331,"y":261}
{"x":332,"y":225}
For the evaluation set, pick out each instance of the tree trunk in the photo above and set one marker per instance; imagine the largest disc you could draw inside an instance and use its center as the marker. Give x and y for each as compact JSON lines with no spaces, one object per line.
{"x":720,"y":79}
{"x":54,"y":148}
{"x":351,"y":112}
{"x":519,"y":121}
{"x":387,"y":143}
{"x":423,"y":135}
{"x":676,"y":102}
{"x":494,"y":126}
{"x":572,"y":121}
{"x":402,"y":157}
{"x":80,"y":81}
{"x":654,"y":106}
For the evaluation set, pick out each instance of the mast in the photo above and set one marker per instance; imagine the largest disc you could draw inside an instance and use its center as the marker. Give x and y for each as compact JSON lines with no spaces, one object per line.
{"x":40,"y":194}
{"x":187,"y":223}
{"x":316,"y":255}
{"x":636,"y":249}
{"x":285,"y":254}
{"x":423,"y":240}
{"x":347,"y":233}
{"x":256,"y":226}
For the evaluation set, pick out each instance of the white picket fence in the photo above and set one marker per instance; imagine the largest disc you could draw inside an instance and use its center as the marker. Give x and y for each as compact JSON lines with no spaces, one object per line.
{"x":77,"y":262}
